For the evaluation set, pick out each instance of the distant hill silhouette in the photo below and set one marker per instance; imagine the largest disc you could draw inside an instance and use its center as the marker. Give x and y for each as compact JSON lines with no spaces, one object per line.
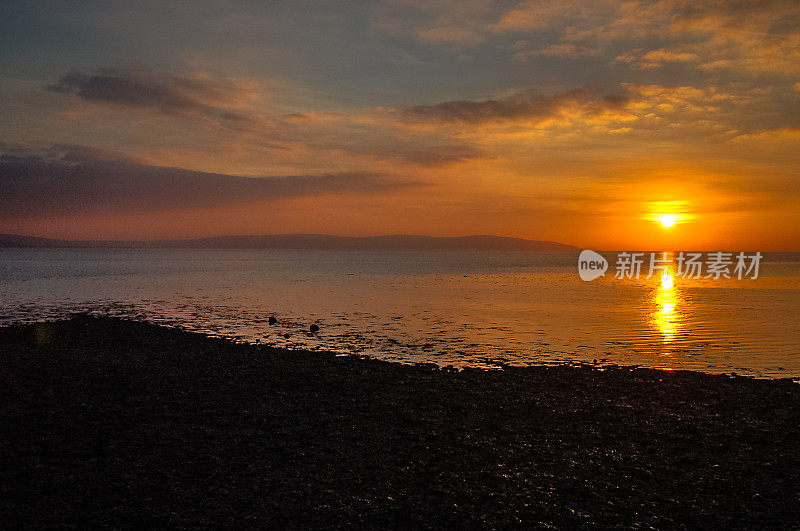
{"x":310,"y":241}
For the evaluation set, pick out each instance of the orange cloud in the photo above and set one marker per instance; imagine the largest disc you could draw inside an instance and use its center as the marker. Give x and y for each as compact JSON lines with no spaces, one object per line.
{"x":563,"y":50}
{"x":656,"y":58}
{"x":449,"y":34}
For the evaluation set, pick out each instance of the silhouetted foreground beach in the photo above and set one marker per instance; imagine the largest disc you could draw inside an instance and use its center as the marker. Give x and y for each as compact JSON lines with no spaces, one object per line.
{"x":106,"y":422}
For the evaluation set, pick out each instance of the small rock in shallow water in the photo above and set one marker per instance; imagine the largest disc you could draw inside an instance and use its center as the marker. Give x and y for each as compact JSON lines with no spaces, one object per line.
{"x":273,"y":321}
{"x":286,"y":336}
{"x":314,"y":328}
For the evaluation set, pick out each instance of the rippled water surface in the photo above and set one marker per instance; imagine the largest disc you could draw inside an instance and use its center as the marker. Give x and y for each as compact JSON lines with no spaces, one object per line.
{"x":475,"y":308}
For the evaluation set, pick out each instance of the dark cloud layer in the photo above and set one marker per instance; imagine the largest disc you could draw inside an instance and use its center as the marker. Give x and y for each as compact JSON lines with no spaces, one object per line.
{"x":166,"y":93}
{"x":77,"y":184}
{"x":523,"y":105}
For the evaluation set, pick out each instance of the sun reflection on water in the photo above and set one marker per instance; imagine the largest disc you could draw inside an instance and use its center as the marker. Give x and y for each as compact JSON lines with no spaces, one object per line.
{"x":667,"y":317}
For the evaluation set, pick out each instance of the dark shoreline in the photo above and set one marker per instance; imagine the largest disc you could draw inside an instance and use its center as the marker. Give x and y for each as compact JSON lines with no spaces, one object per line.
{"x":107,"y":422}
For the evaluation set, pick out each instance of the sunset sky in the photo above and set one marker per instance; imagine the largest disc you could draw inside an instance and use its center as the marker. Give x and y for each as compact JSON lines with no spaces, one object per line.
{"x":579,"y":122}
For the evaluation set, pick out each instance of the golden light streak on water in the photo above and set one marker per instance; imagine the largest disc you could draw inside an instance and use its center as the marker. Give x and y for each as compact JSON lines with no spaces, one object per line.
{"x":667,"y":316}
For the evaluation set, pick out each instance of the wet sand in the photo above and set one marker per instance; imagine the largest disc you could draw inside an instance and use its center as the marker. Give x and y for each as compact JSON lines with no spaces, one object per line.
{"x":105,"y":422}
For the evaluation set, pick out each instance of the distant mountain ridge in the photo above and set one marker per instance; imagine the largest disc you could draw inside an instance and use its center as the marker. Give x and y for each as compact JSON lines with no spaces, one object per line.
{"x":397,"y":242}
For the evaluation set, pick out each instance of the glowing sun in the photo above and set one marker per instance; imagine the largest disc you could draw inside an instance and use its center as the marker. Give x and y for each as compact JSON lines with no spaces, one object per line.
{"x":668,"y":220}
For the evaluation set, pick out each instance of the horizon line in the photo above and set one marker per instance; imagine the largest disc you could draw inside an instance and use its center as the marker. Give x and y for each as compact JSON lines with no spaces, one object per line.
{"x":376,"y":236}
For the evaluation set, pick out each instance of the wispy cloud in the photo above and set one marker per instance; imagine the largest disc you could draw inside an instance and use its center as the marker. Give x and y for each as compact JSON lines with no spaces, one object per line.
{"x":564,"y":50}
{"x":78,"y":182}
{"x":159,"y":91}
{"x":744,"y":37}
{"x":655,"y":58}
{"x":525,"y":105}
{"x":536,"y":14}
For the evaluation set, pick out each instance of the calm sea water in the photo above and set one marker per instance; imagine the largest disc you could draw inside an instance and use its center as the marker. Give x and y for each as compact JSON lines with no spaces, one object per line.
{"x":459,"y":308}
